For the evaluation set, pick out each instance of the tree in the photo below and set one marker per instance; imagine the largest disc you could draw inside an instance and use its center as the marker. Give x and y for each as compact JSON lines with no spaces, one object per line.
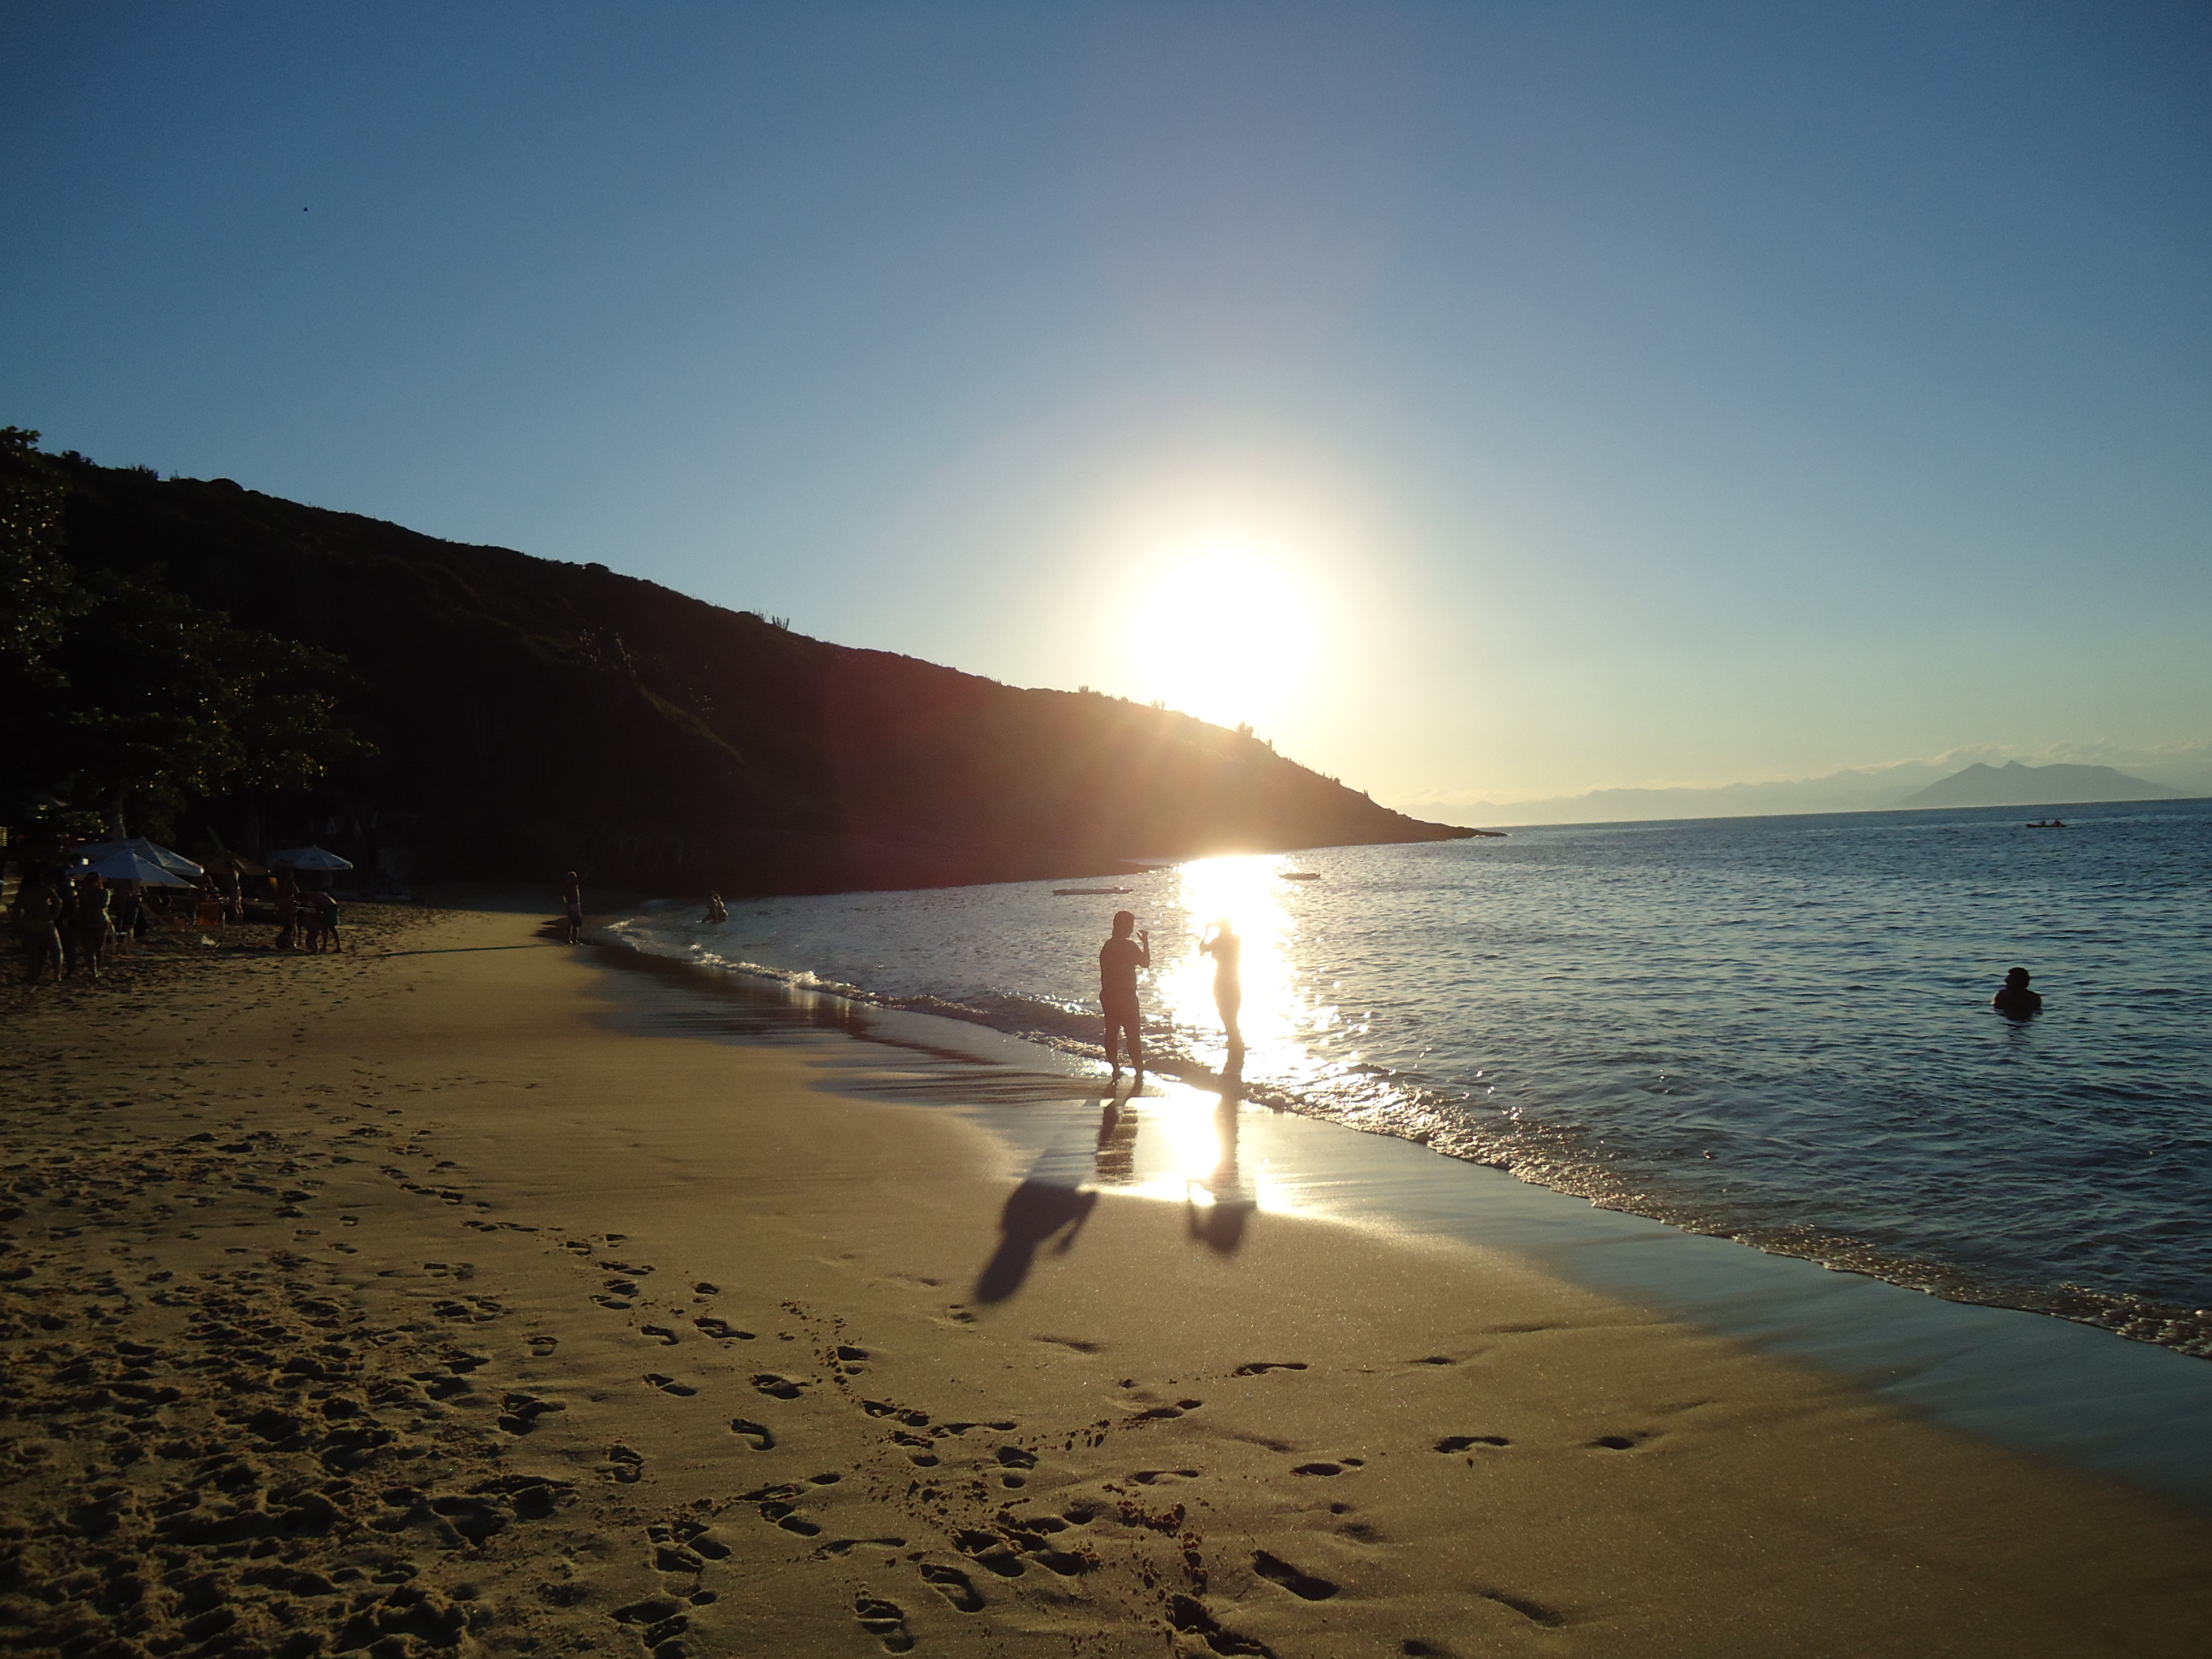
{"x":129,"y":698}
{"x":39,"y":595}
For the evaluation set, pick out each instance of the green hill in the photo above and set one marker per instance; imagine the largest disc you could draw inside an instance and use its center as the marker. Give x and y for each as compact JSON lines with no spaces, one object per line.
{"x":531,"y":715}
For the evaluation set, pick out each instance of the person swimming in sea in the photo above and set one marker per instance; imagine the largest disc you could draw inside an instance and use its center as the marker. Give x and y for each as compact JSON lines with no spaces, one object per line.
{"x":2015,"y":1000}
{"x":1221,"y":944}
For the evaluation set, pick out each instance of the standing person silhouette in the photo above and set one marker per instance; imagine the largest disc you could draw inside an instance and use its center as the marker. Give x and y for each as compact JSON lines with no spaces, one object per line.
{"x":1119,"y":958}
{"x":1227,"y":949}
{"x":572,"y":909}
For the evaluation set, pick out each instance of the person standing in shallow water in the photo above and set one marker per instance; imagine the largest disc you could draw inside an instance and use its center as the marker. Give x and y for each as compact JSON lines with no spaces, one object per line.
{"x":572,"y":908}
{"x":2016,"y":1001}
{"x":1227,"y":949}
{"x":1119,"y":958}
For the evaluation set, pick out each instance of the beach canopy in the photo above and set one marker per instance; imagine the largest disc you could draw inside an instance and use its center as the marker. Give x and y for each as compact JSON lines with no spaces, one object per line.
{"x":309,"y":857}
{"x":124,"y":864}
{"x":175,"y":863}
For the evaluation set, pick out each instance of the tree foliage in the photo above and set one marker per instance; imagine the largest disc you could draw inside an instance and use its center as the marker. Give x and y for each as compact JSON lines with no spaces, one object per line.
{"x":39,"y":595}
{"x":125,"y":696}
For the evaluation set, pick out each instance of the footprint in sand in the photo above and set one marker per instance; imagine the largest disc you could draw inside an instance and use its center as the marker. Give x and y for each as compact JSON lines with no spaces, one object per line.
{"x":519,"y":1413}
{"x":1460,"y":1442}
{"x":1262,"y":1367}
{"x":541,"y":1347}
{"x":1621,"y":1441}
{"x":1534,"y":1611}
{"x":667,"y":1337}
{"x":722,"y":1331}
{"x":1166,"y":1413}
{"x":669,"y":1385}
{"x":954,"y":1585}
{"x":755,"y":1435}
{"x":779,"y":1387}
{"x":786,"y":1515}
{"x":884,"y":1408}
{"x":625,"y":1465}
{"x":1304,"y":1585}
{"x":885,"y":1620}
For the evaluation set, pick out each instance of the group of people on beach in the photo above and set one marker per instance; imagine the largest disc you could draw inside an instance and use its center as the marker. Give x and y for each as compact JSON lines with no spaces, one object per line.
{"x":307,"y":918}
{"x":71,"y":927}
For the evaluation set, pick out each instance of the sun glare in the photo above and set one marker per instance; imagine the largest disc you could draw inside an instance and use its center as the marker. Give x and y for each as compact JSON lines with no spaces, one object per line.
{"x":1226,"y":630}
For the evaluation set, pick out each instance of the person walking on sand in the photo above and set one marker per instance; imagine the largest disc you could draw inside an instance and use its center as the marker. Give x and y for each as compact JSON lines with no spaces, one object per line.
{"x":326,"y":913}
{"x":572,"y":909}
{"x":1119,"y":958}
{"x":38,"y":924}
{"x":93,"y":932}
{"x":1227,"y":949}
{"x":287,"y":912}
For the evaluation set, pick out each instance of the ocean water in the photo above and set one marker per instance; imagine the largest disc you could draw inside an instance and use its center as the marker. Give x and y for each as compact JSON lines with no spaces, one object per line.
{"x":1777,"y":1030}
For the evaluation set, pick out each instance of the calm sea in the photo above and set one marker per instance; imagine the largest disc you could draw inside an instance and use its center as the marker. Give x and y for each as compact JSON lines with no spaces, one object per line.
{"x":1774,"y":1029}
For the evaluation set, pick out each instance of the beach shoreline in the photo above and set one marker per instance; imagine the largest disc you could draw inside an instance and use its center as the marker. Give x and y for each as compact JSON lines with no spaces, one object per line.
{"x":416,"y":1298}
{"x":2071,"y":1390}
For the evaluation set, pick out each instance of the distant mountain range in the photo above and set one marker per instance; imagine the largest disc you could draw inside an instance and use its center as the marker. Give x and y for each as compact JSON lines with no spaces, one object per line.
{"x":2015,"y":785}
{"x":2182,"y":771}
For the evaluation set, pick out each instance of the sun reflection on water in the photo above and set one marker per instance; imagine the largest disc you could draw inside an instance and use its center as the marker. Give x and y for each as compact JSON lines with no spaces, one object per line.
{"x":1294,"y":1033}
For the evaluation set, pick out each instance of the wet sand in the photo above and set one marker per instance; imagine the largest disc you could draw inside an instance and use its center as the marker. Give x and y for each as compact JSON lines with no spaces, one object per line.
{"x":416,"y":1302}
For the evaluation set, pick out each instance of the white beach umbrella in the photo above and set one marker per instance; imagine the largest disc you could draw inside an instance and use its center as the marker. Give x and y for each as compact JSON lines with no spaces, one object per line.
{"x":126,"y":864}
{"x":309,"y":857}
{"x":175,"y":863}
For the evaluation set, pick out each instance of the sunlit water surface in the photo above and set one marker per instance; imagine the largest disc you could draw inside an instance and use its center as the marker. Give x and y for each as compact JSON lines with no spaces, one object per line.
{"x":1777,"y":1029}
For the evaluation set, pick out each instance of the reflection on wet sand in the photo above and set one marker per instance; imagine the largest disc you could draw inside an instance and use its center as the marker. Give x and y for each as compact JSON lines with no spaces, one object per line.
{"x":1191,"y":1154}
{"x":1217,"y":1205}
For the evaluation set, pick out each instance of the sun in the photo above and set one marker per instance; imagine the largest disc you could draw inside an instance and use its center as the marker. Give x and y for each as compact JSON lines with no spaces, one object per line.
{"x":1227,"y":630}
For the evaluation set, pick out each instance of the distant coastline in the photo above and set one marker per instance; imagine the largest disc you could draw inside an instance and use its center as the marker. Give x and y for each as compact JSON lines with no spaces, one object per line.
{"x":2007,"y":809}
{"x":1957,"y":780}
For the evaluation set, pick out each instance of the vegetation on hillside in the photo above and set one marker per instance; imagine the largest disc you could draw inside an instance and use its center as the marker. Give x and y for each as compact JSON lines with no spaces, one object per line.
{"x":127,"y":700}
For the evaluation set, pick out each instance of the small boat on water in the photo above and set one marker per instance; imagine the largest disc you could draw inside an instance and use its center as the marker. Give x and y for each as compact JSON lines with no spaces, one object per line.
{"x":1085,"y":892}
{"x":2048,"y":823}
{"x":1300,"y":875}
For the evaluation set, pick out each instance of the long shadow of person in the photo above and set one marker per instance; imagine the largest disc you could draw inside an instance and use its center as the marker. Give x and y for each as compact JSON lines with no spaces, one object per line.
{"x":1043,"y":1207}
{"x":1036,"y":1210}
{"x":1220,"y":1225}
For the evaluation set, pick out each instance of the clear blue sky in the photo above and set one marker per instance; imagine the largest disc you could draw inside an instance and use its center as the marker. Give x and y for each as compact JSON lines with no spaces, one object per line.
{"x":1484,"y":399}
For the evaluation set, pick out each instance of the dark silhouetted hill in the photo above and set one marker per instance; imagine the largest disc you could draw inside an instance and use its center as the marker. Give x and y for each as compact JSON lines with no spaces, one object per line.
{"x":533,"y":715}
{"x":2015,"y":785}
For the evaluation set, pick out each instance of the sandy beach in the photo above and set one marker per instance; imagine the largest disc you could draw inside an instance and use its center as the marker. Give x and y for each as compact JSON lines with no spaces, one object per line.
{"x":411,"y":1302}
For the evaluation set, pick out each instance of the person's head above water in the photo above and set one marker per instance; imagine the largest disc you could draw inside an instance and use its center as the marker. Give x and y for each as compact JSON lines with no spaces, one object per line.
{"x":2017,"y":978}
{"x":1124,"y":920}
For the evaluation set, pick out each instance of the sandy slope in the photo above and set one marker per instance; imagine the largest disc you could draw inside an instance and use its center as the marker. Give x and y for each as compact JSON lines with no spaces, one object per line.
{"x":406,"y":1304}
